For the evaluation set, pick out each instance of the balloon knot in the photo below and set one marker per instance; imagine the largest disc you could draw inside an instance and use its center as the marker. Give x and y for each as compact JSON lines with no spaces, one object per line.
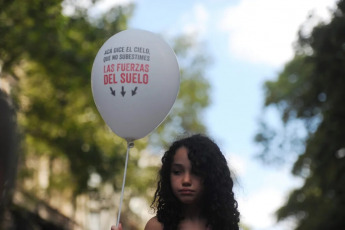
{"x":130,"y":144}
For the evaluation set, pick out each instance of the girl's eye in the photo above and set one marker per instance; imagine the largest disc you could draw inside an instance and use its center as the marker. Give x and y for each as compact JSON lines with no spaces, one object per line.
{"x":176,"y":172}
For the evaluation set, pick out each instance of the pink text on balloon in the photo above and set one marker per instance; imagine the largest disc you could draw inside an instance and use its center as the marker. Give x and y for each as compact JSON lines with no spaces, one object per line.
{"x":109,"y":79}
{"x":135,"y":78}
{"x":109,"y":68}
{"x":132,"y":67}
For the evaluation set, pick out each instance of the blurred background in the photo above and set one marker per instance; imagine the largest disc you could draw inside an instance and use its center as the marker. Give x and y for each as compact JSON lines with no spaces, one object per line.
{"x":265,"y":79}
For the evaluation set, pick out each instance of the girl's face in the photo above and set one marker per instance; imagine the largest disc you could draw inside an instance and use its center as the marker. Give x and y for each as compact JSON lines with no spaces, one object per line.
{"x":186,"y":186}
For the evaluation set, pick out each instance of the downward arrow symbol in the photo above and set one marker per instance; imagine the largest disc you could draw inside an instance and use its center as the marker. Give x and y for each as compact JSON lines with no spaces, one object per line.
{"x":134,"y":91}
{"x":112,"y":91}
{"x":123,"y":92}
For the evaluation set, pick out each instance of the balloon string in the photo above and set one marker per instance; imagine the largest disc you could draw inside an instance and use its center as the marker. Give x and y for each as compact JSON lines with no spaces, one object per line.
{"x":129,"y":145}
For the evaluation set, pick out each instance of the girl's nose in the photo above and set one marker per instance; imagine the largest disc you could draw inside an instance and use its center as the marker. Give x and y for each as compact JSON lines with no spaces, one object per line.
{"x":186,"y":180}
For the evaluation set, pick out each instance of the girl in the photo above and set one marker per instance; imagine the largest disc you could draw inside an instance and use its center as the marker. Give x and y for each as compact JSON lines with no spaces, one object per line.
{"x":194,"y":190}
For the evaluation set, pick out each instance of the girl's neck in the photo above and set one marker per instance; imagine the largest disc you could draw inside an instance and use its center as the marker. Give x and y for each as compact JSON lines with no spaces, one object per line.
{"x":192,"y":212}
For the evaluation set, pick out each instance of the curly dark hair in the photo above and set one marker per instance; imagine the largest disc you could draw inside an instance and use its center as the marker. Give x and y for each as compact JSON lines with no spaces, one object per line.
{"x":219,"y":206}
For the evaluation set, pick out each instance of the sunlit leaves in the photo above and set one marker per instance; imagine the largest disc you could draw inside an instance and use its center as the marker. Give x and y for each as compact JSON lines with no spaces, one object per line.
{"x":310,"y":90}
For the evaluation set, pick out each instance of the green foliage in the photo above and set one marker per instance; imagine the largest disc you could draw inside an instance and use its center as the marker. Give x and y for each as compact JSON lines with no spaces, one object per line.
{"x":47,"y":56}
{"x":51,"y":55}
{"x":311,"y":89}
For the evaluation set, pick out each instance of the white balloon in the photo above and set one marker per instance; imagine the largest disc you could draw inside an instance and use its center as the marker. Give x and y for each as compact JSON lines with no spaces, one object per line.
{"x":135,"y":80}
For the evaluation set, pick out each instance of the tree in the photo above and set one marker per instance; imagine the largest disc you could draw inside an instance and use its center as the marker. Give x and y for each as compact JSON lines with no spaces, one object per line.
{"x":8,"y":153}
{"x":47,"y":58}
{"x":310,"y":90}
{"x":51,"y":67}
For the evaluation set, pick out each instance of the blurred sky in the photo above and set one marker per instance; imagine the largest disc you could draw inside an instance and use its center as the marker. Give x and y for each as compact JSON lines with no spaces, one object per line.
{"x":249,"y":42}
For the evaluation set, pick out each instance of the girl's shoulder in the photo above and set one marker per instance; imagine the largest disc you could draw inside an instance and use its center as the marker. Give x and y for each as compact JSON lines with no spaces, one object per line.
{"x":153,"y":224}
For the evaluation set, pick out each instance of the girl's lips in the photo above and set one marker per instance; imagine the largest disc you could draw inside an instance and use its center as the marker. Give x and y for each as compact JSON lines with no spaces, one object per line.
{"x":186,"y":191}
